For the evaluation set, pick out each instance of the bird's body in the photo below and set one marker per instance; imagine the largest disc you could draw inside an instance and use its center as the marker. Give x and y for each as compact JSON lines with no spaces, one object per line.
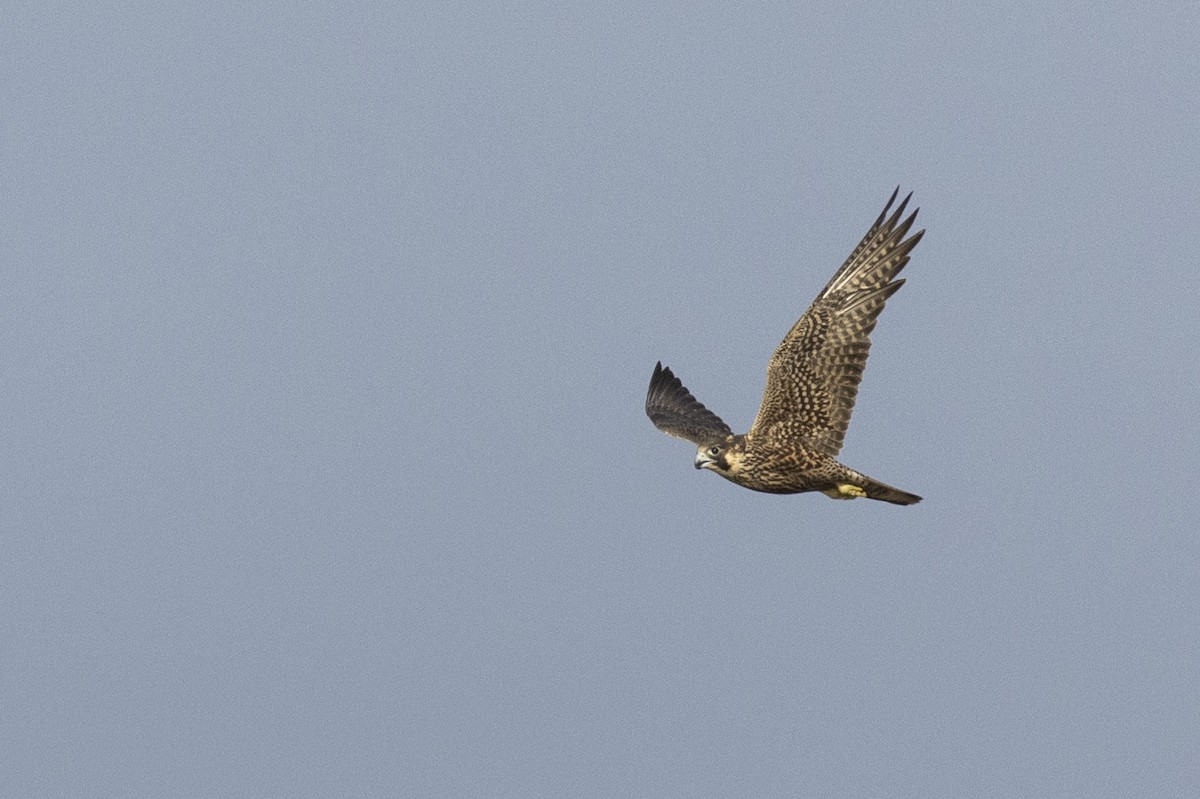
{"x":812,"y":383}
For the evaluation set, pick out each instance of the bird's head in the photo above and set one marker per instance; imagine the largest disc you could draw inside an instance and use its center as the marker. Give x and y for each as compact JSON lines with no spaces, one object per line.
{"x":723,"y":456}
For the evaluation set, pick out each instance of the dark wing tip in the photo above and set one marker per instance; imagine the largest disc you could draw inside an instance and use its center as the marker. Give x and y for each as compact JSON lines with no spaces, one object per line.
{"x":673,"y":409}
{"x":883,"y":214}
{"x":884,"y":222}
{"x":661,"y":382}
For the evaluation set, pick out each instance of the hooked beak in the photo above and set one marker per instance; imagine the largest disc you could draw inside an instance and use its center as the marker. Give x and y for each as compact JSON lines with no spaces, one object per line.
{"x":703,"y":461}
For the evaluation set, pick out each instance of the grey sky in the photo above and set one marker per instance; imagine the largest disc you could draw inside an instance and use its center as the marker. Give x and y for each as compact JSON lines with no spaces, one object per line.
{"x":324,"y":340}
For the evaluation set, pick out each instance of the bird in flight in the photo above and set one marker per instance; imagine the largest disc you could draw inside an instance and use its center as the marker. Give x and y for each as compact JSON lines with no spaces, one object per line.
{"x":812,"y":381}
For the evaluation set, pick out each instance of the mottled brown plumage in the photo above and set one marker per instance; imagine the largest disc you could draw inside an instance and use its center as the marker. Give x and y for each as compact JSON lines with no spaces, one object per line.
{"x":812,"y":382}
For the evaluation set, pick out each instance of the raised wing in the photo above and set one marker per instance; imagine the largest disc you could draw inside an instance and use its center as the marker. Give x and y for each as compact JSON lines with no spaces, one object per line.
{"x":677,"y":413}
{"x":813,"y":377}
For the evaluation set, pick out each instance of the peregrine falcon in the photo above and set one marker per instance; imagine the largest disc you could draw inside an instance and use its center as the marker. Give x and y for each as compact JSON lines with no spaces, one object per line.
{"x":812,"y":381}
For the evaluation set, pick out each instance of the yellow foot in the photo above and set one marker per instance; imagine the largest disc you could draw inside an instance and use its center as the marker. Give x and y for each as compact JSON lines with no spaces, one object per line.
{"x":845,"y":491}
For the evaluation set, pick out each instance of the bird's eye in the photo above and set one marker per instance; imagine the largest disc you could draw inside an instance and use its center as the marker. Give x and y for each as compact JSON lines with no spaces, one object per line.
{"x":714,"y":451}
